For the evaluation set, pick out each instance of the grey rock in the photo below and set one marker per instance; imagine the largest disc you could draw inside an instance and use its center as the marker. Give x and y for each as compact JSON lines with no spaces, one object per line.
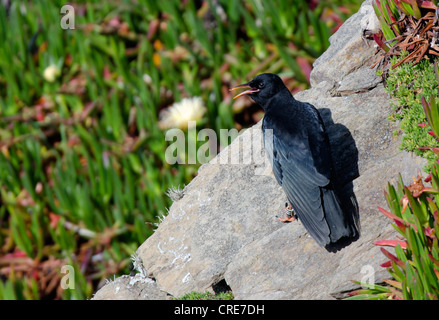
{"x":361,"y":80}
{"x":216,"y":218}
{"x":224,"y":228}
{"x":348,"y":51}
{"x":369,"y":22}
{"x":126,"y":287}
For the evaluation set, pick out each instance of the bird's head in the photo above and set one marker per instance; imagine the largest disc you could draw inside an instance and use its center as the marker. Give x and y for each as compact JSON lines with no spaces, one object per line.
{"x":262,"y":88}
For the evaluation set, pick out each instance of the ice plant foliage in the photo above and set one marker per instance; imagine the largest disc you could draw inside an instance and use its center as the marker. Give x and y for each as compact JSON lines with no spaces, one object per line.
{"x":431,"y":110}
{"x":414,"y":265}
{"x":407,"y":25}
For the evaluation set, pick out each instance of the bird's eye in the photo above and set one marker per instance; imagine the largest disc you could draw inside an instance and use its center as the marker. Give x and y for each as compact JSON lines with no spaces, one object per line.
{"x":261,"y":85}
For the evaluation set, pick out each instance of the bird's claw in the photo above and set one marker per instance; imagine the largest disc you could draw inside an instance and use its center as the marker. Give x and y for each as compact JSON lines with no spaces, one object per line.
{"x":289,"y":214}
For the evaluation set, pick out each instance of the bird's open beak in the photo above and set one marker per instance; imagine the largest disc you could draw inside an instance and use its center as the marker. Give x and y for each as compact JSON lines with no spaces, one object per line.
{"x":251,"y":90}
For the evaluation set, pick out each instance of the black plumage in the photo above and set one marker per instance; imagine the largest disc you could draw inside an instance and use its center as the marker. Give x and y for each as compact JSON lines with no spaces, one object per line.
{"x":298,"y":147}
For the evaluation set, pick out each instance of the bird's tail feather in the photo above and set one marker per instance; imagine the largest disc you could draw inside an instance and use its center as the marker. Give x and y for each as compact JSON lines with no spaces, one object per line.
{"x":341,"y":214}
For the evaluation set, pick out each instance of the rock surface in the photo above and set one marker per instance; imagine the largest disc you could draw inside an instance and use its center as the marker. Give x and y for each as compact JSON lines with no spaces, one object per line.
{"x":224,"y":231}
{"x":126,"y":287}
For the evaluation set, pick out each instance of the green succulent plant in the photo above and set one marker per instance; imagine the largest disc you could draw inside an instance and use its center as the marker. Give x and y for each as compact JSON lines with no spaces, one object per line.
{"x":414,"y":265}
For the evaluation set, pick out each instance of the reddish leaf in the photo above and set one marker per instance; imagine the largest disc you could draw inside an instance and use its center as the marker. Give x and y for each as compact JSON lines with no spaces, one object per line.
{"x":427,"y":5}
{"x":436,"y":217}
{"x":391,"y":243}
{"x":380,"y":42}
{"x":54,"y":218}
{"x":305,"y":66}
{"x":430,"y":232}
{"x":356,"y":292}
{"x":152,"y":28}
{"x":394,"y":283}
{"x":400,"y":225}
{"x":434,"y":149}
{"x":405,"y":203}
{"x":393,"y":258}
{"x":428,"y":179}
{"x":386,"y":264}
{"x":312,"y":4}
{"x":391,"y":215}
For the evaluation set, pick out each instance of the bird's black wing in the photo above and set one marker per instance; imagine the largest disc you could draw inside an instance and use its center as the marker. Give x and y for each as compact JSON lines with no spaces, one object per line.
{"x":301,"y":163}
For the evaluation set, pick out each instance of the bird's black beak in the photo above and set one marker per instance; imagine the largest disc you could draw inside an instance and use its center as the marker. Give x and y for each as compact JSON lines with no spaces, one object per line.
{"x":249,"y":91}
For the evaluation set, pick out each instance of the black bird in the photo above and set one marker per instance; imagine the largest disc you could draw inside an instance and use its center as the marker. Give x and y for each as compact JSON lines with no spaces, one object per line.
{"x":300,"y":154}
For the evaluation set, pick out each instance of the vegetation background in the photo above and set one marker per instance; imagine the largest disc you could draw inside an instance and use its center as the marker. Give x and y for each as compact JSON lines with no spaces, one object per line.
{"x":408,"y":39}
{"x":83,"y":176}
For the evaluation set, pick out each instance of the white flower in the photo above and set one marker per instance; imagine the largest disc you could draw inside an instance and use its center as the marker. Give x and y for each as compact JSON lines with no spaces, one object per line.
{"x":51,"y":73}
{"x":180,"y":114}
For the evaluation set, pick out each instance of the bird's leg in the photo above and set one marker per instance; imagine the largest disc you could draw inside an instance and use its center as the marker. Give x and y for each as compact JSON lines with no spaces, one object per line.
{"x":289,"y":214}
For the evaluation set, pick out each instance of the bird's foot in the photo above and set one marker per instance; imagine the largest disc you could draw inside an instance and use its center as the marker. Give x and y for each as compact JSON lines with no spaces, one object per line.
{"x":289,"y":214}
